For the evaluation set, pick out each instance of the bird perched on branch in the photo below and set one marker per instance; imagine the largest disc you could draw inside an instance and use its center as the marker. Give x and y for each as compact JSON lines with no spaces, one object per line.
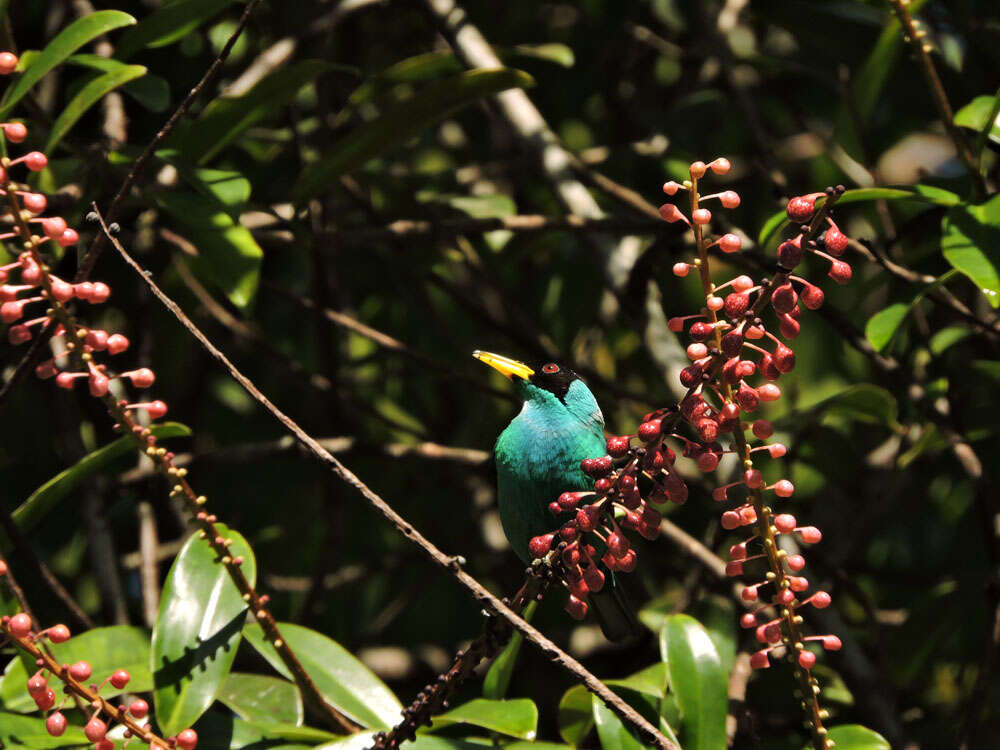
{"x":538,"y":458}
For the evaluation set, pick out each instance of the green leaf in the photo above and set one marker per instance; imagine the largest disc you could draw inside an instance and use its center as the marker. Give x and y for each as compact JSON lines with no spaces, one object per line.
{"x":152,"y":92}
{"x":552,"y":52}
{"x":502,"y":669}
{"x":107,"y":649}
{"x":650,"y":681}
{"x":197,"y":630}
{"x":169,"y":24}
{"x":68,"y":41}
{"x":988,"y":367}
{"x":402,"y":121}
{"x":944,"y":339}
{"x":698,"y":680}
{"x":863,"y":402}
{"x":261,"y":698}
{"x":226,"y":186}
{"x":856,"y":737}
{"x":227,"y":253}
{"x":29,"y":732}
{"x":223,"y":731}
{"x":576,"y":715}
{"x":363,"y":740}
{"x":981,"y":115}
{"x":611,"y":731}
{"x":43,"y":500}
{"x":516,"y":718}
{"x":918,"y":193}
{"x":87,"y":97}
{"x":342,"y":680}
{"x":867,"y":84}
{"x":224,"y":120}
{"x":882,"y":326}
{"x":970,"y":242}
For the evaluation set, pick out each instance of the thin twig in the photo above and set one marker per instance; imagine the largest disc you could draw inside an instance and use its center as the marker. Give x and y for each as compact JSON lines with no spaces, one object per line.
{"x":921,"y":50}
{"x":446,"y":562}
{"x":149,"y":566}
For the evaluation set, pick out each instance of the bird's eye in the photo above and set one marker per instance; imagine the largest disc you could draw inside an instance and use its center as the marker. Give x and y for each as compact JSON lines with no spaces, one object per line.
{"x":550,"y":369}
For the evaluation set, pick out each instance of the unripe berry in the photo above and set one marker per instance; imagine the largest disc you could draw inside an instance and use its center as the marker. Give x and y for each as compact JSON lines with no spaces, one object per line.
{"x":119,"y":678}
{"x":840,"y":271}
{"x":53,"y":227}
{"x":671,"y":187}
{"x":58,"y":634}
{"x":681,"y":269}
{"x":19,"y":625}
{"x":104,"y":744}
{"x":730,"y":520}
{"x":97,"y":339}
{"x":795,"y":562}
{"x":784,"y":488}
{"x":820,"y":600}
{"x":785,"y":523}
{"x":730,"y":199}
{"x":61,"y":290}
{"x":117,"y":343}
{"x":789,"y":254}
{"x":776,"y":450}
{"x":577,"y":608}
{"x":95,"y":729}
{"x":720,"y":165}
{"x":832,"y":643}
{"x":800,"y":209}
{"x":670,"y":213}
{"x":835,"y":241}
{"x":651,"y":430}
{"x":698,"y":169}
{"x":730,"y":243}
{"x":55,"y":724}
{"x":701,"y":216}
{"x":36,"y":161}
{"x":80,"y":671}
{"x":34,"y":202}
{"x":8,"y":64}
{"x":810,"y":534}
{"x":68,"y":238}
{"x":100,"y":293}
{"x":807,"y":659}
{"x":618,"y":446}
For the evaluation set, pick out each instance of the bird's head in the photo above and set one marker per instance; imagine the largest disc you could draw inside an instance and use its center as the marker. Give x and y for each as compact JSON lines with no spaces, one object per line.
{"x":550,"y":385}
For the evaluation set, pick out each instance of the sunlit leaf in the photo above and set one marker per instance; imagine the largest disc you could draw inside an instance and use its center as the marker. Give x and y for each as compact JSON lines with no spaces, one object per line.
{"x":698,"y":680}
{"x":882,"y":326}
{"x":970,"y":241}
{"x":262,"y":698}
{"x":576,"y":715}
{"x":66,"y":42}
{"x":981,"y":115}
{"x":197,"y":631}
{"x":863,"y":402}
{"x":611,"y":731}
{"x":341,"y":679}
{"x":498,"y":677}
{"x":87,"y":97}
{"x":516,"y":718}
{"x":17,"y":731}
{"x":855,"y":737}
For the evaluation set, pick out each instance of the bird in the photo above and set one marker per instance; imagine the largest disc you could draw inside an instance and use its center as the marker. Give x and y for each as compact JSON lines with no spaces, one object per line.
{"x":538,"y":458}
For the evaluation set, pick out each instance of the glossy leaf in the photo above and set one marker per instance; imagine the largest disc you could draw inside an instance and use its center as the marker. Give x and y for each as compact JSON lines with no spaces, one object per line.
{"x":197,"y":630}
{"x":66,"y":42}
{"x":981,"y":115}
{"x":87,"y":97}
{"x":261,"y":698}
{"x":611,"y":731}
{"x":171,"y":23}
{"x":882,"y":326}
{"x":17,"y":731}
{"x":970,"y":242}
{"x":651,"y":681}
{"x":228,"y":187}
{"x":223,"y":731}
{"x":225,"y":119}
{"x":42,"y":501}
{"x":944,"y":339}
{"x":863,"y":402}
{"x":228,"y":255}
{"x":342,"y":680}
{"x":698,"y":680}
{"x":515,"y":718}
{"x":403,"y":120}
{"x":497,"y":679}
{"x":856,"y":737}
{"x":151,"y":91}
{"x":576,"y":715}
{"x":106,"y":649}
{"x":364,"y":740}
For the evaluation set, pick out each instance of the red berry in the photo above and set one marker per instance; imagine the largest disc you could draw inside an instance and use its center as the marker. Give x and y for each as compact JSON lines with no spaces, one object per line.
{"x":143,"y":377}
{"x":58,"y":634}
{"x":708,"y":462}
{"x":618,"y":446}
{"x":37,"y":685}
{"x":19,"y":625}
{"x":36,"y":161}
{"x":651,"y":430}
{"x":577,"y":609}
{"x":95,"y":729}
{"x":8,"y":62}
{"x":784,"y":298}
{"x":98,"y":384}
{"x":569,"y":500}
{"x":840,"y":271}
{"x":617,"y":544}
{"x":700,"y":331}
{"x":104,"y":744}
{"x":800,"y":209}
{"x":753,"y":479}
{"x":708,"y":429}
{"x":784,"y":358}
{"x":747,"y":397}
{"x":789,"y":326}
{"x":736,"y":304}
{"x":812,"y":296}
{"x":835,"y":241}
{"x":45,"y":700}
{"x":759,"y":660}
{"x":80,"y":671}
{"x":730,"y":243}
{"x":784,"y":488}
{"x":586,"y":518}
{"x":748,"y":620}
{"x":117,"y":343}
{"x":138,"y":708}
{"x":627,"y":563}
{"x":119,"y":678}
{"x":156,"y":409}
{"x":789,"y":254}
{"x":55,"y":724}
{"x":594,"y":578}
{"x":807,"y":659}
{"x":762,"y":429}
{"x":785,"y":523}
{"x":99,"y":293}
{"x":820,"y":600}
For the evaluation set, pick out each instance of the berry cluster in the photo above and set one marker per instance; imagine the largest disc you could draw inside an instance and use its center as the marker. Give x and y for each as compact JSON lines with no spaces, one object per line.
{"x":74,"y":679}
{"x":624,"y":497}
{"x":731,"y":343}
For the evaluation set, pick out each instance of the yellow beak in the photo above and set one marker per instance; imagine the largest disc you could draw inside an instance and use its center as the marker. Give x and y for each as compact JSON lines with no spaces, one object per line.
{"x":505,"y":365}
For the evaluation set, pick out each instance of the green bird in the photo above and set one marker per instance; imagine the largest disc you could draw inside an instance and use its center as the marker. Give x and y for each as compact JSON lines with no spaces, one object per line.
{"x":538,"y":458}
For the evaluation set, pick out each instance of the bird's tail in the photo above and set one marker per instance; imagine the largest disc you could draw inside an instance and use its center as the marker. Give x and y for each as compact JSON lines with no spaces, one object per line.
{"x":614,"y":612}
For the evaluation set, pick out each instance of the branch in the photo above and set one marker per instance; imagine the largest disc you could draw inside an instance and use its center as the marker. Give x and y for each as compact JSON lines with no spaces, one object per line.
{"x":445,"y":562}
